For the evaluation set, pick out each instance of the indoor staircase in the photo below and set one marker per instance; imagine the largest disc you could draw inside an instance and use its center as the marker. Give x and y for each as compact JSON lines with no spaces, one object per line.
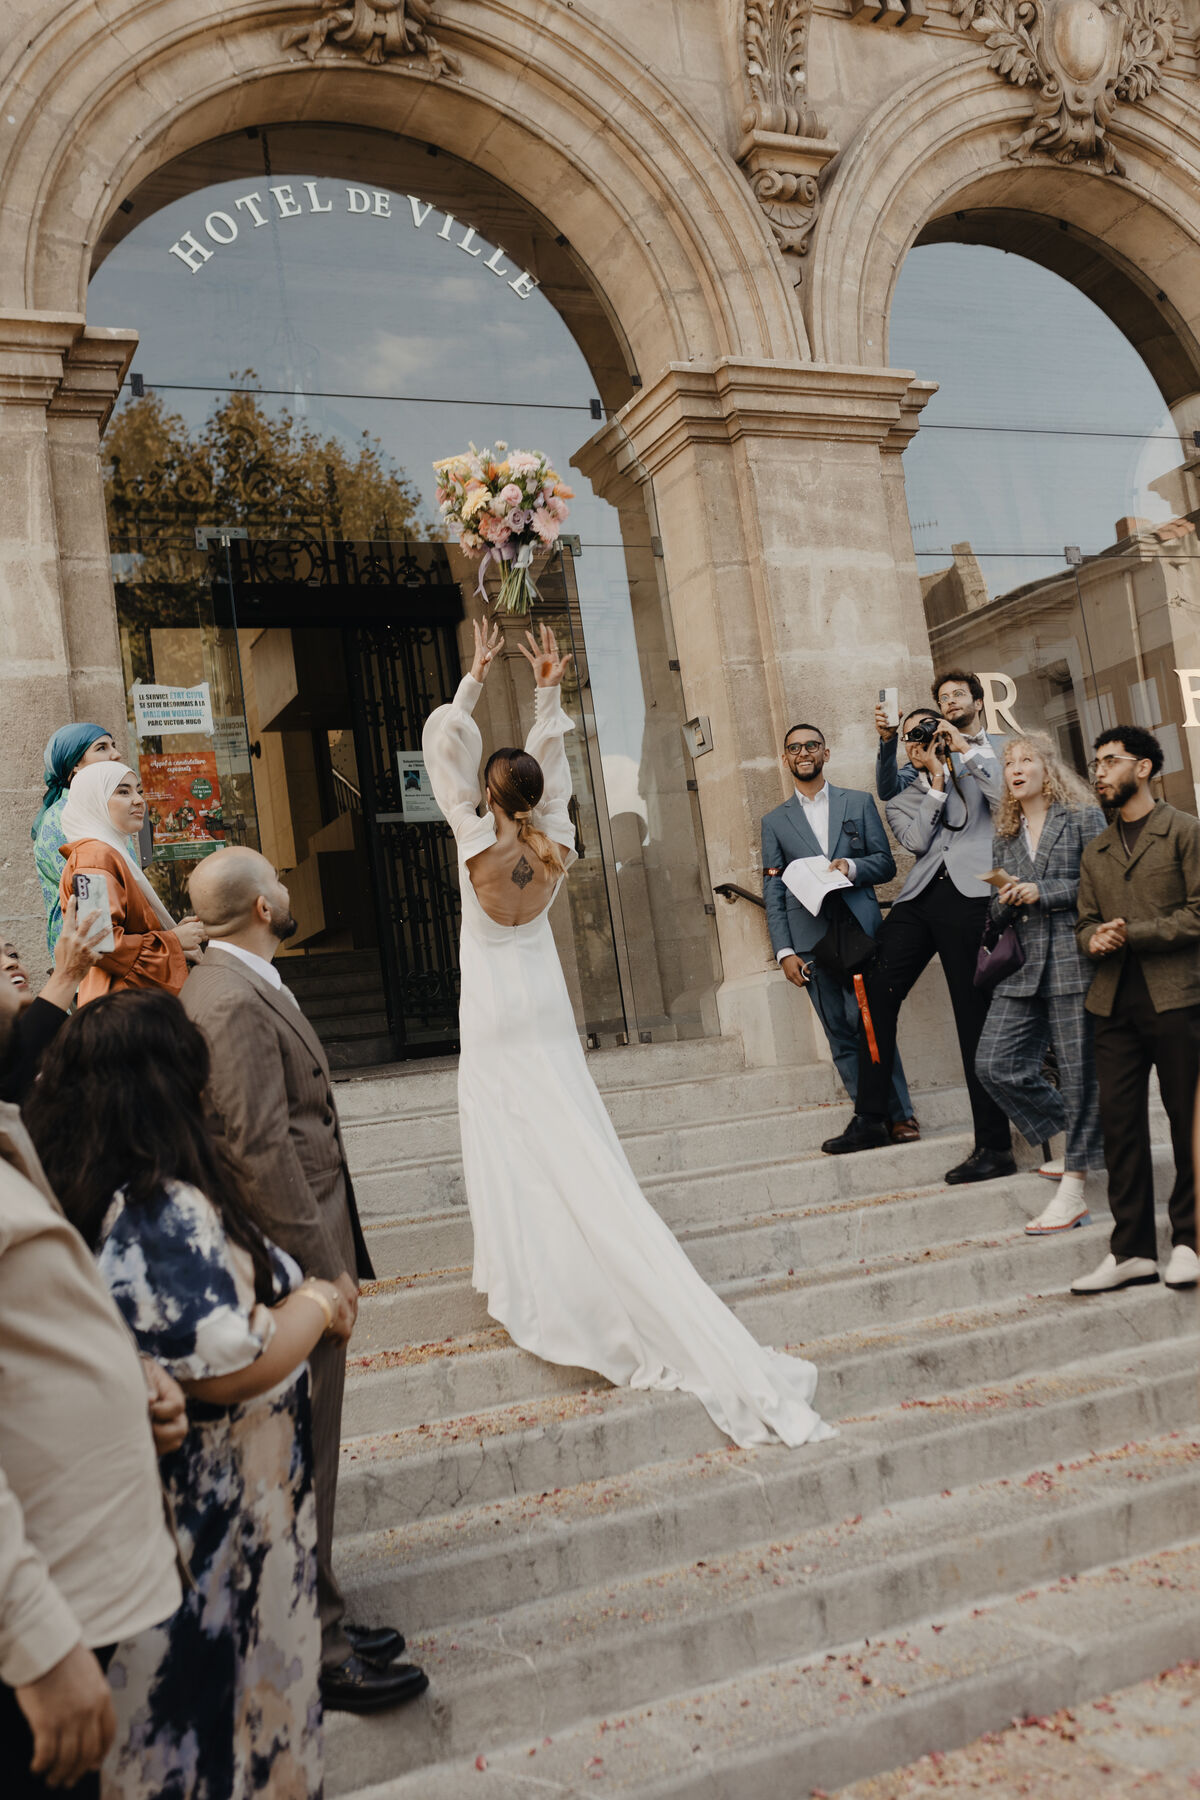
{"x":610,"y":1599}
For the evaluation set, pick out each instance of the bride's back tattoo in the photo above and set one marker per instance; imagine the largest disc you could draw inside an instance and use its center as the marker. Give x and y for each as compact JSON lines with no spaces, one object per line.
{"x":522,"y":874}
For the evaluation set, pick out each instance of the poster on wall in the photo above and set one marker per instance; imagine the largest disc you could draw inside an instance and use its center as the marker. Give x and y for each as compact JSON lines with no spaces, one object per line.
{"x":416,"y":794}
{"x":183,"y":804}
{"x":161,"y":711}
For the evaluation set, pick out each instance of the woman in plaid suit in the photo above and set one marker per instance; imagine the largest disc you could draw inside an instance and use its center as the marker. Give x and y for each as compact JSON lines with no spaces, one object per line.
{"x":1044,"y":820}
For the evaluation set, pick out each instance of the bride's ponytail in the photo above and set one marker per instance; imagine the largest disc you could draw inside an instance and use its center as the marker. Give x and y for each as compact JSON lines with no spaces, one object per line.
{"x":515,"y":780}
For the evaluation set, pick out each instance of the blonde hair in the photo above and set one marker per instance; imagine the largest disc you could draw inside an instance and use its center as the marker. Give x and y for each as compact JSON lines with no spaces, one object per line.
{"x":1061,"y":784}
{"x":514,"y":779}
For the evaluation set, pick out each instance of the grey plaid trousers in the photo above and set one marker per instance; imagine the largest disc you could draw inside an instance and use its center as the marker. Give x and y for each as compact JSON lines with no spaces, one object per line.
{"x":1009,"y":1065}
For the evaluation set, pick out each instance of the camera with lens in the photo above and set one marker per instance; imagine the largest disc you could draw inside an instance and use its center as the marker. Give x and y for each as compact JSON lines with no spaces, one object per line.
{"x":926,"y":731}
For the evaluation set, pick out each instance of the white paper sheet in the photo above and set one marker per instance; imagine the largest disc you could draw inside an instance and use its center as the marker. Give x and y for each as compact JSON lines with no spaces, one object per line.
{"x":811,"y":878}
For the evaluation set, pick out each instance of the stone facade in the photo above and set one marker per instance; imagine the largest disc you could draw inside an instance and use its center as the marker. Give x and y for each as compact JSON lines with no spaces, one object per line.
{"x":741,"y":179}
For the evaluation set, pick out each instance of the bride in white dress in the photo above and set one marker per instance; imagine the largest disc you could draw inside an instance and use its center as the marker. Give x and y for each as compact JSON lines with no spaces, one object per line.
{"x":574,"y":1261}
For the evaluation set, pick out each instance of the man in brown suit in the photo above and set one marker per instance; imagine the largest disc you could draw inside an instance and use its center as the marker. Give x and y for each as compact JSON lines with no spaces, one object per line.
{"x":270,"y":1088}
{"x":1139,"y":917}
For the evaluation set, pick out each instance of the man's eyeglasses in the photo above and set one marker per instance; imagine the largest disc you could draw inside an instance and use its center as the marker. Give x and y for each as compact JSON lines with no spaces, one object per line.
{"x":809,"y":749}
{"x":1102,"y":764}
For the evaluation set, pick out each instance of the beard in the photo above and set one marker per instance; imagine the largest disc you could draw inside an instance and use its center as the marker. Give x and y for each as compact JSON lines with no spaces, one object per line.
{"x":283,"y":926}
{"x":1123,"y":791}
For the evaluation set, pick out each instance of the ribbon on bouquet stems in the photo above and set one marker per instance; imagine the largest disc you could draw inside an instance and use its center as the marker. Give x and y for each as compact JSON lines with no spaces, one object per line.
{"x":517,"y":588}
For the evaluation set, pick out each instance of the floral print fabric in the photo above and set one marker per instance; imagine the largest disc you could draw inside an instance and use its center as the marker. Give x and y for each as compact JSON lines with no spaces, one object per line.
{"x":222,"y":1701}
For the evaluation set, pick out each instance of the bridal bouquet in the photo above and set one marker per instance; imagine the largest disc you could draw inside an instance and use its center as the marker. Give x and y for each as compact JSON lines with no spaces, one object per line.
{"x":504,"y":505}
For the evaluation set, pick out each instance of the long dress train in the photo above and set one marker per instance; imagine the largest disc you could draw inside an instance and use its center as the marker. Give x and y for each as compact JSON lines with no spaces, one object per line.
{"x":574,"y":1261}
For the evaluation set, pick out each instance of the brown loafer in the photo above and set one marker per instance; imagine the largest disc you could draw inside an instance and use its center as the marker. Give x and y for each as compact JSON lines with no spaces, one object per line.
{"x":904,"y":1131}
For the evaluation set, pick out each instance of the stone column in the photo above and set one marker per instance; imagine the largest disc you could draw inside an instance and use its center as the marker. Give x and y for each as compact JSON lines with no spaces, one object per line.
{"x":59,"y":379}
{"x":794,"y":598}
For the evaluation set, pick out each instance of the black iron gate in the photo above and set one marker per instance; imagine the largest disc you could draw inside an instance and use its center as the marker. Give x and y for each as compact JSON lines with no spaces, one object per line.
{"x":397,"y":675}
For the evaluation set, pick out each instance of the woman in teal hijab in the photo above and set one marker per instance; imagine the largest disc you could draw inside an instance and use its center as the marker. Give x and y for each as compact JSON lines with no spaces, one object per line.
{"x":72,"y":747}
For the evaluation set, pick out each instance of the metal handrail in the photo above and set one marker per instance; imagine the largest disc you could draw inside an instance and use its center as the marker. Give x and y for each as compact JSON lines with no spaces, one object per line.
{"x":730,"y":891}
{"x":348,"y":797}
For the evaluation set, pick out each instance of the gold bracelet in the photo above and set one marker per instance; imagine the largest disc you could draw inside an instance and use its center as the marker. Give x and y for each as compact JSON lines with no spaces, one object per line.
{"x":309,"y":1292}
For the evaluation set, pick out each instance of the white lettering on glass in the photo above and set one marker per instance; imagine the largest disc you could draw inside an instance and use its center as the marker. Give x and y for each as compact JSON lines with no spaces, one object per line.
{"x":222,"y":228}
{"x":1189,"y":688}
{"x":252,"y":206}
{"x":214,"y":234}
{"x":997,"y":706}
{"x":191,"y":251}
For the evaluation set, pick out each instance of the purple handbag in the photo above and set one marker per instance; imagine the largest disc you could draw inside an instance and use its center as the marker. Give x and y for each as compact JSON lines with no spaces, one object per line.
{"x":1000,"y":954}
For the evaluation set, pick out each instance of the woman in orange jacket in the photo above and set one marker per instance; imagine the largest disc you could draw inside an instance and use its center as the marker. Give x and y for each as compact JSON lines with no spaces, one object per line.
{"x":104,"y":808}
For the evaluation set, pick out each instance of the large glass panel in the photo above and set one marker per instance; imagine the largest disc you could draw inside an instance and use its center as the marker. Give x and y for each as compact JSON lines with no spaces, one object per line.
{"x":324,"y":314}
{"x":1053,"y":502}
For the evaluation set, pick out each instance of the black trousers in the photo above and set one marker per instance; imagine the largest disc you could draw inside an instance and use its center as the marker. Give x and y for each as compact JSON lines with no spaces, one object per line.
{"x":1129,"y":1043}
{"x":938,"y":922}
{"x":16,"y":1753}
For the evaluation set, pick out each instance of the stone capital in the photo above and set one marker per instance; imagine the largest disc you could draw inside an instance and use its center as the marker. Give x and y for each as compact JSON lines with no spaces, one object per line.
{"x":731,"y":399}
{"x":920,"y":393}
{"x":58,"y":362}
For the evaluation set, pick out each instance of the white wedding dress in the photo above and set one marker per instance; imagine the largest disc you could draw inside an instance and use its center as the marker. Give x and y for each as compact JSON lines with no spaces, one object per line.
{"x":574,"y":1261}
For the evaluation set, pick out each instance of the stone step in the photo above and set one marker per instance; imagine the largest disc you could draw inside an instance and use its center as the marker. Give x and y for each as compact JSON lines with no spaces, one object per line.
{"x":542,"y":1666}
{"x":345,"y":1055}
{"x":316,"y":989}
{"x":754,"y":1176}
{"x":414,"y":1089}
{"x":731,"y":1245}
{"x":489,"y":1552}
{"x":391,"y":1140}
{"x":343,"y":1003}
{"x":812,"y":1725}
{"x":862,"y":1366}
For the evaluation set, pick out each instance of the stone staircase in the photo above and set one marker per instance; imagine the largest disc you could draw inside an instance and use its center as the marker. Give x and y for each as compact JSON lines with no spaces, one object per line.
{"x":341,"y":992}
{"x":611,"y":1599}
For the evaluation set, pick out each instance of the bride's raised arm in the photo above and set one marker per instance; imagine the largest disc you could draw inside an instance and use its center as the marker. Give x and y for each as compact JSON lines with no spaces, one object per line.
{"x":546,"y":740}
{"x":453,"y":751}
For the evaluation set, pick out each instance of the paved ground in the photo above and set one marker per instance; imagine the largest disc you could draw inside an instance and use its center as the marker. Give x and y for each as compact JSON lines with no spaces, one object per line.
{"x":1142,"y":1741}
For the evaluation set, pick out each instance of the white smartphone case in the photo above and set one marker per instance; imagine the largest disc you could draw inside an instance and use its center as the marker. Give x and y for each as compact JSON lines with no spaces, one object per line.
{"x":91,"y":897}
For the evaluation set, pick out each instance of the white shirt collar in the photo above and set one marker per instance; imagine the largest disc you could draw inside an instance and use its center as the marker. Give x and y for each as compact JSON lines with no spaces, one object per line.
{"x":821,"y":795}
{"x":257,"y":964}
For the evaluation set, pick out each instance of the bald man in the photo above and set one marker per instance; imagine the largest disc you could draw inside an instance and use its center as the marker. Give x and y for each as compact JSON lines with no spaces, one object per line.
{"x":270,"y":1089}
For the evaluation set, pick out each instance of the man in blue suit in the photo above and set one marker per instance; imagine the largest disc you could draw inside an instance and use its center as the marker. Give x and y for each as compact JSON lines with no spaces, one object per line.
{"x":842,"y":825}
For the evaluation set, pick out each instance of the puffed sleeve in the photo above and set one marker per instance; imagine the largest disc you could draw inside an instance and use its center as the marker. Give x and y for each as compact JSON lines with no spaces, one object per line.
{"x":453,"y":750}
{"x":546,"y":743}
{"x":171,"y":1270}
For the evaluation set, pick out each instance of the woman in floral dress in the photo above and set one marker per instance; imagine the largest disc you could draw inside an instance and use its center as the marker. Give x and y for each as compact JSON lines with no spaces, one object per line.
{"x":222,"y":1701}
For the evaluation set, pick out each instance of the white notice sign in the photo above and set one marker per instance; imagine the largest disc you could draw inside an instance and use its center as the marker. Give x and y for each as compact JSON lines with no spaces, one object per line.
{"x":170,"y":711}
{"x":416,"y":794}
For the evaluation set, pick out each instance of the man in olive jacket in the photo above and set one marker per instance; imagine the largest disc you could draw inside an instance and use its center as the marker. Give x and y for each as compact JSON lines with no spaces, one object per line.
{"x":1139,"y":918}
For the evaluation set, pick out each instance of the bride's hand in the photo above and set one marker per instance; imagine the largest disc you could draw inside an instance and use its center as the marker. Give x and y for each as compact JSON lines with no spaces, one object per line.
{"x":547,"y":665}
{"x":485,"y":649}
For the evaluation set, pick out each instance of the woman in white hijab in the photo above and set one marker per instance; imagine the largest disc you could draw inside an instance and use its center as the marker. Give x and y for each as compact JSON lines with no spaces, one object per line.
{"x":104,"y":808}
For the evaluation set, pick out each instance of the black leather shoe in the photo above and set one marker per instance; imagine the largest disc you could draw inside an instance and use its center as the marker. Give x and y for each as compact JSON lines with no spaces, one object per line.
{"x":982,"y":1165}
{"x":360,"y":1687}
{"x":860,"y":1134}
{"x":380,"y":1644}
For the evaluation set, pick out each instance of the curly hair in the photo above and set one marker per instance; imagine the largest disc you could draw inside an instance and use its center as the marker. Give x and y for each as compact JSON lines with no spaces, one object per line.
{"x":1062,"y":784}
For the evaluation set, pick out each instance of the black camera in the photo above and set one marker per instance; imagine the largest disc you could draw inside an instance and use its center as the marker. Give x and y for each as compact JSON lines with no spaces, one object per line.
{"x":923,"y":731}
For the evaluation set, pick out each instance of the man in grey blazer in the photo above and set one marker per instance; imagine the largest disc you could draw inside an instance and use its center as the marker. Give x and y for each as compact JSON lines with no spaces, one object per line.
{"x":944,"y":817}
{"x":842,"y":825}
{"x":270,"y":1089}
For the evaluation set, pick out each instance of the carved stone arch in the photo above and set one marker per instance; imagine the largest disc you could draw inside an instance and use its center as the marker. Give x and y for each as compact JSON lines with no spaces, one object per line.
{"x":666,"y":225}
{"x":938,"y":150}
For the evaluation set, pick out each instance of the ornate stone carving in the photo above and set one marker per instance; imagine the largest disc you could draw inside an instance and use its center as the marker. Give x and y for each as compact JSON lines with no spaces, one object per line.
{"x":1080,"y":57}
{"x":784,"y":146}
{"x":374,"y":30}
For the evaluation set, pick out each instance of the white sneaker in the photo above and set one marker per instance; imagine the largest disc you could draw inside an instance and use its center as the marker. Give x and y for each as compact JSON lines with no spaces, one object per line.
{"x":1135,"y":1271}
{"x":1054,"y":1169}
{"x":1183,"y":1270}
{"x":1067,"y":1209}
